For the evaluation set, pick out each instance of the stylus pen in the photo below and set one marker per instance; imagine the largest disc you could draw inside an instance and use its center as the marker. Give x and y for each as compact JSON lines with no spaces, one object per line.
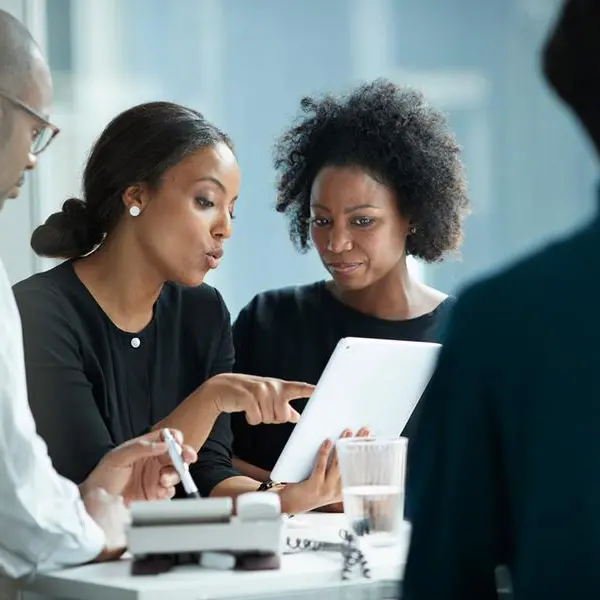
{"x":182,"y":469}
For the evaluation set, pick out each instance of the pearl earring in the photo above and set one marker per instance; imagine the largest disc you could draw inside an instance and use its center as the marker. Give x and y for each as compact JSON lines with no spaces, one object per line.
{"x":134,"y":211}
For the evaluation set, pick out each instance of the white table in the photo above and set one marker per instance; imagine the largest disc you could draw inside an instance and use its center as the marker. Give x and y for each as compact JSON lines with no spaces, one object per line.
{"x":302,"y":576}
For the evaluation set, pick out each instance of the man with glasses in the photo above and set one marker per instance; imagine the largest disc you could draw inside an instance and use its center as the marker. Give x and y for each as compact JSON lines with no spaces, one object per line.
{"x":46,"y":521}
{"x":25,"y":96}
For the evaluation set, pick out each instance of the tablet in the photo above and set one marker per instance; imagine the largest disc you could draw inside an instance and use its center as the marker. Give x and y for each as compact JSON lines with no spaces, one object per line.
{"x":367,"y":382}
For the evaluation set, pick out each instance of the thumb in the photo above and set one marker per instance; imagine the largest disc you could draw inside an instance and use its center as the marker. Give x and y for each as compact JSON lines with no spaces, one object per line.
{"x":294,"y":416}
{"x":137,"y":449}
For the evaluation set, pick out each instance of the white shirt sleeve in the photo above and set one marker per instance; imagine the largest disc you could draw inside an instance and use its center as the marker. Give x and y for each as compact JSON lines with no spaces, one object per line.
{"x":43,"y":522}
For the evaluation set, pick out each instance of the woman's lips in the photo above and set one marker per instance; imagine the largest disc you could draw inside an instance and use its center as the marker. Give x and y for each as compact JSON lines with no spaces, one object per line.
{"x":344,"y":268}
{"x":213,"y":257}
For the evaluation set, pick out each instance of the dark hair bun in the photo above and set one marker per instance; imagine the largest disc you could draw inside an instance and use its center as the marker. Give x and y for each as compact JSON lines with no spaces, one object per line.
{"x":68,"y":233}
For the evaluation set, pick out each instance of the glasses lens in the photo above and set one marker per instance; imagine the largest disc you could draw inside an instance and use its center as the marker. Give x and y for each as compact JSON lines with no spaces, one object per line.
{"x":41,"y":141}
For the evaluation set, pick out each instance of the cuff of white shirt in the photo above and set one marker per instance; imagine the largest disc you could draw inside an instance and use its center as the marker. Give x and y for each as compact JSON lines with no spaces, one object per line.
{"x":82,"y":548}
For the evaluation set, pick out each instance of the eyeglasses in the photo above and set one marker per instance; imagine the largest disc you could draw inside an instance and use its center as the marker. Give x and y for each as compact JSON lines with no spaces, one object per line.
{"x":43,"y":135}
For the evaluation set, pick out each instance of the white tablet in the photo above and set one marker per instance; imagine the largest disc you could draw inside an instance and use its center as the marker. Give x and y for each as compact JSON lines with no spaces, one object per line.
{"x":367,"y":382}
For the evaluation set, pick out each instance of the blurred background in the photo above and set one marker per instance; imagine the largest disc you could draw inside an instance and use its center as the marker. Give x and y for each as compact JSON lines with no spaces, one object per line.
{"x":247,"y":63}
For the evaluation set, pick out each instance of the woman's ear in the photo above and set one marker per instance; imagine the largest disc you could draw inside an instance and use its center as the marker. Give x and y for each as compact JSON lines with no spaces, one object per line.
{"x":135,"y":199}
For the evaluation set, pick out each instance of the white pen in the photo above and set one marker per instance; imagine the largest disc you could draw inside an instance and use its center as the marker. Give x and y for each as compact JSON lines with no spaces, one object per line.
{"x":182,"y":469}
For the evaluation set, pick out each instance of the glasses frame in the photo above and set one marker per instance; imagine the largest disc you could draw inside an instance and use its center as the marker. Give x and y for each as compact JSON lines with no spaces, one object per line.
{"x":36,"y":115}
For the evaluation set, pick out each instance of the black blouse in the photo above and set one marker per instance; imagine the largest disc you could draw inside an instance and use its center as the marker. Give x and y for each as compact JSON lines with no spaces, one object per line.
{"x":290,"y":333}
{"x":93,"y":386}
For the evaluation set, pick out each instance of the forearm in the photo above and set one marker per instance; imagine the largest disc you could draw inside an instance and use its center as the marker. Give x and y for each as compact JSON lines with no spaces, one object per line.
{"x":294,"y":498}
{"x":249,"y":470}
{"x":234,"y":486}
{"x":194,"y":417}
{"x":108,"y":555}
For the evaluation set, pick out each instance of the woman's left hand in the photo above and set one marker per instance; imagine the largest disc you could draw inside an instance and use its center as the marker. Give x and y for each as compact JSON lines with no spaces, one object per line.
{"x":323,"y":487}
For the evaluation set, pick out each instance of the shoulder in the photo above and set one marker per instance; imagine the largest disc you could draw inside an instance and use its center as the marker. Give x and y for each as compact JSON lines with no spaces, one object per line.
{"x":43,"y":294}
{"x":287,"y":302}
{"x":52,"y":314}
{"x":527,"y":293}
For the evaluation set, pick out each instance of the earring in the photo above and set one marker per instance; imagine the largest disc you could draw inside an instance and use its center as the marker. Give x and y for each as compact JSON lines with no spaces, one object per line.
{"x":134,"y":211}
{"x":413,"y":230}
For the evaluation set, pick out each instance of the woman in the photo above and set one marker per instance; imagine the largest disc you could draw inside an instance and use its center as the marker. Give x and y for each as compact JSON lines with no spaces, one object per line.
{"x":370,"y":179}
{"x":124,"y":337}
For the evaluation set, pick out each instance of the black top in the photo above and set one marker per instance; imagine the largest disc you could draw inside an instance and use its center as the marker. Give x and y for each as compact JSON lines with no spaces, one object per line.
{"x":92,"y":387}
{"x":291,"y":333}
{"x":506,"y":458}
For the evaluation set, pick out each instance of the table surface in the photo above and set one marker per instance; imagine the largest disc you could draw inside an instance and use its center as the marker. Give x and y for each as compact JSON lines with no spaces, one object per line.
{"x":301,"y":575}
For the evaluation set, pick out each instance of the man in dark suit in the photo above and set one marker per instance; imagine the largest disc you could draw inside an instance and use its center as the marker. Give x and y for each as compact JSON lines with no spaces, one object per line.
{"x":505,"y":466}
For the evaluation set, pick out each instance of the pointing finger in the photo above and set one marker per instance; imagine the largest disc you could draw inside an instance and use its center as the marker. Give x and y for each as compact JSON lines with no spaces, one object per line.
{"x":293,"y":390}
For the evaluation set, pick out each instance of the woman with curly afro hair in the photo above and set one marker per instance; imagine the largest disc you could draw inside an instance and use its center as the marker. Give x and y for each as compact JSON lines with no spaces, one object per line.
{"x":368,"y":179}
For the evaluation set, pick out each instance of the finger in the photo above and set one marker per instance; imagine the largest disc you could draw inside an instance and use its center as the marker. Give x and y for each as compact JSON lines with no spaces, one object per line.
{"x":168,"y":477}
{"x":267,"y":399}
{"x":293,"y":390}
{"x":165,"y":493}
{"x":176,"y":434}
{"x":333,"y":471}
{"x":253,"y":415}
{"x":294,"y":416}
{"x":334,"y":477}
{"x":346,"y":433}
{"x":281,"y":409}
{"x":320,"y":468}
{"x":363,"y":432}
{"x":157,"y":435}
{"x":137,"y":449}
{"x":188,"y":454}
{"x":284,"y":413}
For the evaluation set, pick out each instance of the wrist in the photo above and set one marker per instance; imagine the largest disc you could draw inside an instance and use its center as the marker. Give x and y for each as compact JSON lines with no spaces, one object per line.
{"x":297,"y":498}
{"x":108,"y":554}
{"x":84,"y":488}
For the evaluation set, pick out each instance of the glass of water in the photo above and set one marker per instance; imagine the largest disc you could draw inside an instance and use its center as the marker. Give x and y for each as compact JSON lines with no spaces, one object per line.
{"x":373,"y":477}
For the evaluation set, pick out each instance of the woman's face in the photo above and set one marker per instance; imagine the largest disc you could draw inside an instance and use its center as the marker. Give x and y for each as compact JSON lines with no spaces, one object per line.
{"x":356,"y":227}
{"x":184,"y":223}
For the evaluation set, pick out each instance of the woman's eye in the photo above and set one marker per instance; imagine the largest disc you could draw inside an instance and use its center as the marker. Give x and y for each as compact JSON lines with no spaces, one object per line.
{"x":231,"y":215}
{"x":317,"y":222}
{"x":204,"y":203}
{"x":36,"y":133}
{"x":363,"y":221}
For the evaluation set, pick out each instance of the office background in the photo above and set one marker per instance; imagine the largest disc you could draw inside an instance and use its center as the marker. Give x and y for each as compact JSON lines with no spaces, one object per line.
{"x":247,"y":63}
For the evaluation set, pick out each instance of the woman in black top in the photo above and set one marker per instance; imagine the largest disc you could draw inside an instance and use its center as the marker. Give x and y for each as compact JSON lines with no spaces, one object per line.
{"x":124,"y":337}
{"x":371,"y":179}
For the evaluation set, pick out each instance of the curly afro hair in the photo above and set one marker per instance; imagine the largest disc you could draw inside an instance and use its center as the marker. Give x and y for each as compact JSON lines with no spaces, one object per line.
{"x":394,"y":135}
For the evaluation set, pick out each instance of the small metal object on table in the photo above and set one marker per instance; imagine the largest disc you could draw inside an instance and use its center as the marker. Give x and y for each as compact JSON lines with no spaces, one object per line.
{"x":348,"y":547}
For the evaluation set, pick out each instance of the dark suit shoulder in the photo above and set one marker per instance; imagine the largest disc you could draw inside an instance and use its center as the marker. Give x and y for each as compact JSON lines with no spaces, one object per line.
{"x":551,"y":282}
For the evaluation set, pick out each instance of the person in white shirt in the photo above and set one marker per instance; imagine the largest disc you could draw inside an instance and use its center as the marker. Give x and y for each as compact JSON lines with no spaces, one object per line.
{"x":46,"y":521}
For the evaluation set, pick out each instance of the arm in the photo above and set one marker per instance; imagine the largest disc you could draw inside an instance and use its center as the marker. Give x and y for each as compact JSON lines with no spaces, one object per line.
{"x":43,"y":521}
{"x":245,"y":468}
{"x":453,"y":490}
